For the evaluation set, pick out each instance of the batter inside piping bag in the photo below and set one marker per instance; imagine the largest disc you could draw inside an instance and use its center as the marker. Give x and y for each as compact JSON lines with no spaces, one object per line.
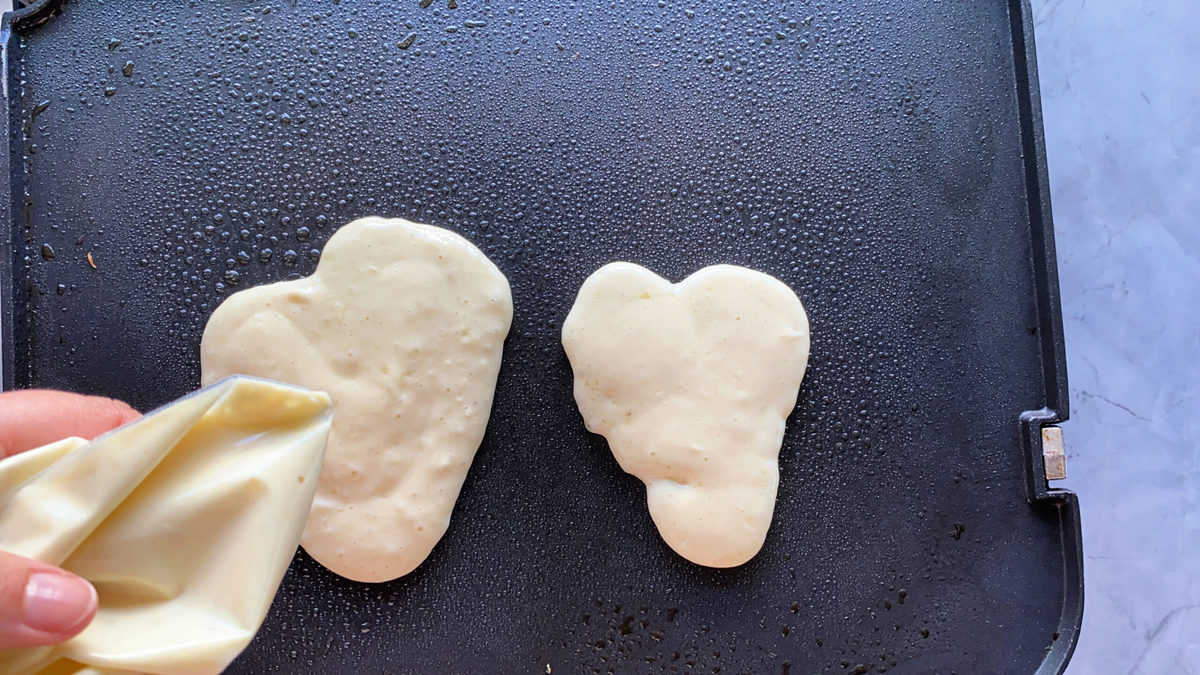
{"x":184,"y":520}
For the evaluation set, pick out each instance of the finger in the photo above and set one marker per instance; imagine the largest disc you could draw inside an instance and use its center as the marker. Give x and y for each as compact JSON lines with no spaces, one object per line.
{"x":35,"y":417}
{"x":41,"y":604}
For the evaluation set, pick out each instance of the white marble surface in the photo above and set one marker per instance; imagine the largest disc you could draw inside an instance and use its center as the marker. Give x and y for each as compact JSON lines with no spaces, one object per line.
{"x":1121,"y":98}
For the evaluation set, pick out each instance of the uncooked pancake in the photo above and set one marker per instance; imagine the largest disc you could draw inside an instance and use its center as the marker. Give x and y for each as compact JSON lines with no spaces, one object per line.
{"x":691,"y":383}
{"x":403,"y":325}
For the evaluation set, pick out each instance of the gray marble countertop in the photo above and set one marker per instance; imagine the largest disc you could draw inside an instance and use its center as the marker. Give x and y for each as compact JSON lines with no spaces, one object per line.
{"x":1121,"y":99}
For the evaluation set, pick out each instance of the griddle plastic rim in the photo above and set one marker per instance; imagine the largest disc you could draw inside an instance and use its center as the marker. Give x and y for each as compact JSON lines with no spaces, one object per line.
{"x":1063,"y":504}
{"x":12,"y":164}
{"x":31,"y":13}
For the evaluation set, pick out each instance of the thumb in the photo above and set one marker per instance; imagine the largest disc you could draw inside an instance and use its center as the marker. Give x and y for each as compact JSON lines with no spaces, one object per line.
{"x":41,"y":604}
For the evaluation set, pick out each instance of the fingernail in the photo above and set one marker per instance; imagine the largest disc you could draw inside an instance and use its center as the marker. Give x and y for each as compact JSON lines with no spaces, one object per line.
{"x":57,"y":603}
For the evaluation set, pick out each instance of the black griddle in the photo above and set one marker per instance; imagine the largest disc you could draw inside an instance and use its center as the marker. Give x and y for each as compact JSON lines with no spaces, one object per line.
{"x":884,"y":158}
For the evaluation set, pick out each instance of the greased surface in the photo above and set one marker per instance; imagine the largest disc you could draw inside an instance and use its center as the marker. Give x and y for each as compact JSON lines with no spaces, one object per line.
{"x":403,"y":325}
{"x":691,"y":384}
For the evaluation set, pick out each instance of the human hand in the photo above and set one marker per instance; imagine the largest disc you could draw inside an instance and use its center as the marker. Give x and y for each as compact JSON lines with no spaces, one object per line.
{"x":41,"y":604}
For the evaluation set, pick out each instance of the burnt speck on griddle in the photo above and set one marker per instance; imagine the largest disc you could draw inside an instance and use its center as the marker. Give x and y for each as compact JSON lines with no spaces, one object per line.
{"x":959,"y":528}
{"x":407,"y":41}
{"x":113,"y":43}
{"x":626,"y":626}
{"x":424,"y":3}
{"x":127,"y":69}
{"x":352,"y":33}
{"x":40,"y":107}
{"x":48,"y":252}
{"x":902,"y":595}
{"x":110,"y":91}
{"x":924,"y":632}
{"x":451,"y":4}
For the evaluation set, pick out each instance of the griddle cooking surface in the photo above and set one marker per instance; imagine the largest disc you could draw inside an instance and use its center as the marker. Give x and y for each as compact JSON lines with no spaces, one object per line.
{"x":882,"y":158}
